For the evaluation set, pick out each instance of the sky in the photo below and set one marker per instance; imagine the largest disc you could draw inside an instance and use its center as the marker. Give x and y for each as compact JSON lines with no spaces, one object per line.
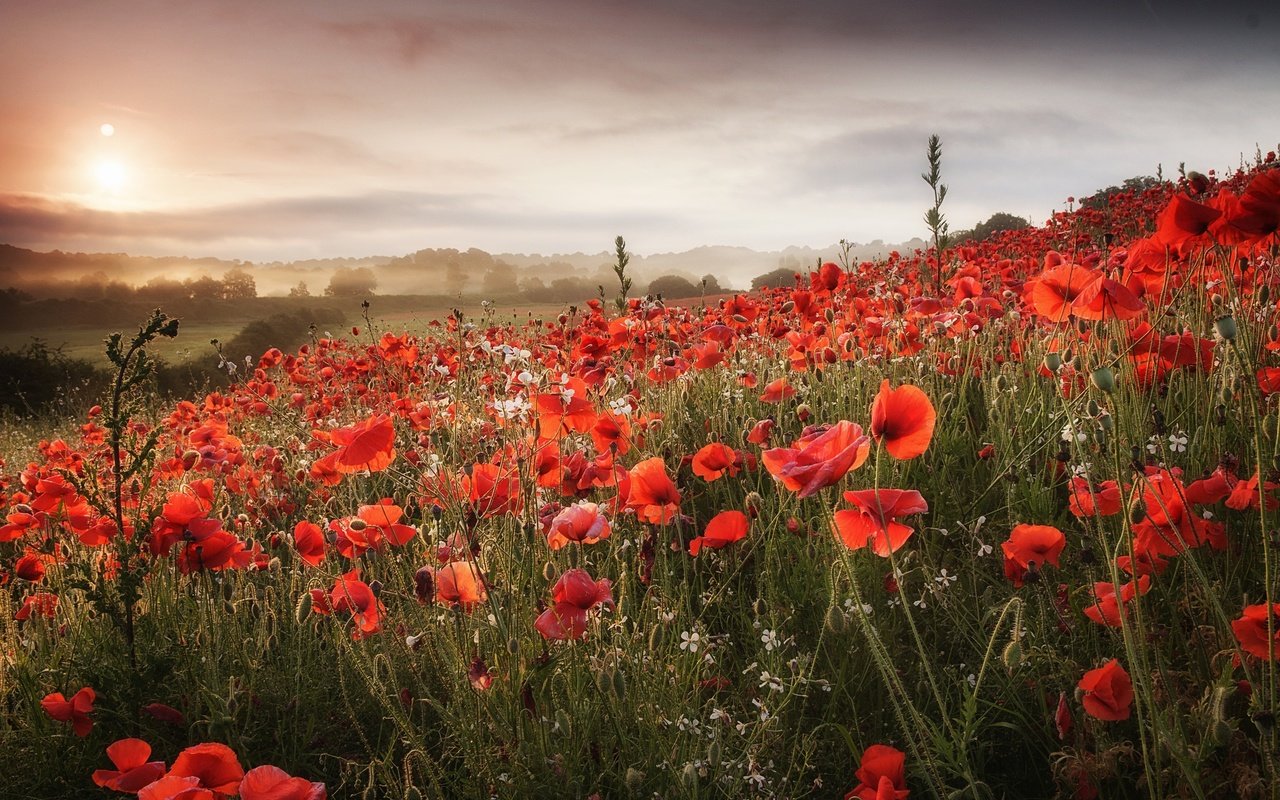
{"x":289,"y":130}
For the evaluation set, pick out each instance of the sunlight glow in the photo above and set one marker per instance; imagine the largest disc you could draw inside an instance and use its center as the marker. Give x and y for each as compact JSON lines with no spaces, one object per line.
{"x":111,"y":175}
{"x":108,"y":129}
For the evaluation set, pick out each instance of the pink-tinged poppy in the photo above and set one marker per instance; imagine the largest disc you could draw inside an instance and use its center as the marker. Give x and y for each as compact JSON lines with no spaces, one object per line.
{"x":902,"y":420}
{"x":75,"y":711}
{"x":873,"y":522}
{"x":1030,"y":547}
{"x":308,"y":540}
{"x":1251,"y":631}
{"x":582,"y":522}
{"x":352,"y":595}
{"x":213,"y":764}
{"x":777,"y":391}
{"x":576,"y":586}
{"x":819,"y":458}
{"x":881,"y":775}
{"x":367,"y":445}
{"x":133,"y":771}
{"x":651,"y":493}
{"x":1062,"y":720}
{"x":461,"y":585}
{"x":561,"y":622}
{"x":724,"y":529}
{"x":272,"y":783}
{"x":1108,"y":692}
{"x":715,"y":461}
{"x":1107,"y":603}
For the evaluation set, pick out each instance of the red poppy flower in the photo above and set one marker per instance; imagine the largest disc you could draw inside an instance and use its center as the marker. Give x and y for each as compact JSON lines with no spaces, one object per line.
{"x":213,"y":764}
{"x":76,"y":710}
{"x":1108,"y":692}
{"x":460,"y":584}
{"x":1031,"y":546}
{"x":715,"y":461}
{"x":176,"y":787}
{"x":651,"y":494}
{"x":1053,"y":293}
{"x":819,"y":458}
{"x":1183,"y":221}
{"x":367,"y":445}
{"x":1251,"y":631}
{"x":574,"y":594}
{"x":1106,"y":298}
{"x":903,"y":419}
{"x":881,"y":775}
{"x":1086,"y":501}
{"x":777,"y":391}
{"x":352,"y":595}
{"x":1106,"y":606}
{"x":724,"y":528}
{"x":132,"y":771}
{"x":874,"y":520}
{"x":272,"y":783}
{"x":308,"y":540}
{"x":582,"y":523}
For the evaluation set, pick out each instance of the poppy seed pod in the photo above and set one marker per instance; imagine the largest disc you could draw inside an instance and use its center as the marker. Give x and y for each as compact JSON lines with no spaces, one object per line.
{"x":1012,"y":655}
{"x":1225,"y":327}
{"x":1052,"y":362}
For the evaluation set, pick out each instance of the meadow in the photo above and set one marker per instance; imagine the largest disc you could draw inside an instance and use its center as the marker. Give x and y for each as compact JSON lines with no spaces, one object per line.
{"x":992,"y":520}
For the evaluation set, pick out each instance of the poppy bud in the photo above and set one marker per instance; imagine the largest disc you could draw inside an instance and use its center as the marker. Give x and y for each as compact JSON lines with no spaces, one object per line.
{"x":513,"y":645}
{"x":835,"y":622}
{"x":424,"y":585}
{"x":548,"y":572}
{"x":1104,"y":379}
{"x":303,"y":608}
{"x":1002,"y":383}
{"x":788,"y":307}
{"x":619,"y":684}
{"x":376,"y":588}
{"x":1052,"y":362}
{"x":562,"y":721}
{"x":830,"y":314}
{"x":1138,"y":513}
{"x":604,"y":683}
{"x":689,"y":778}
{"x":1012,"y":655}
{"x":1225,"y":327}
{"x":714,"y":753}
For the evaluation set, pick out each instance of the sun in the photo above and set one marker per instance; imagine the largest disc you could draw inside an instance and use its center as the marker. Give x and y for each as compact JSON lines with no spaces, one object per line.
{"x":111,"y":176}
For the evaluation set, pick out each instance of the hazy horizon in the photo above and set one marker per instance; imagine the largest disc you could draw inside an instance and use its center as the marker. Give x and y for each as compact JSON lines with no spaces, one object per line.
{"x":296,"y":130}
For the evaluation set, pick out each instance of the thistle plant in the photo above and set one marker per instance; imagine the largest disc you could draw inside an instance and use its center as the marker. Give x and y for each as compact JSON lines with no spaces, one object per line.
{"x":620,"y":269}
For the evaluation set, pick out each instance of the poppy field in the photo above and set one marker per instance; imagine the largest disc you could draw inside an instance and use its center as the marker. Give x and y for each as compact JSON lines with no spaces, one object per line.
{"x":995,"y":521}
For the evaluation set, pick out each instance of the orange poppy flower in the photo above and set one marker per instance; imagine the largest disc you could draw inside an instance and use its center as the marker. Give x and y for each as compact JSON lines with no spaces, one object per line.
{"x":1029,"y":547}
{"x":76,"y":710}
{"x":574,"y":594}
{"x":460,"y":584}
{"x":724,"y":528}
{"x":1107,"y":604}
{"x":715,"y":461}
{"x":214,"y":765}
{"x":1053,"y":293}
{"x":819,"y":458}
{"x":177,"y":787}
{"x":1184,"y":221}
{"x":367,"y":445}
{"x":874,"y":520}
{"x":1251,"y":631}
{"x":272,"y":783}
{"x":903,"y":419}
{"x":1107,"y":299}
{"x":1108,"y":692}
{"x":777,"y":391}
{"x":650,"y":492}
{"x":1086,"y":501}
{"x":132,"y":771}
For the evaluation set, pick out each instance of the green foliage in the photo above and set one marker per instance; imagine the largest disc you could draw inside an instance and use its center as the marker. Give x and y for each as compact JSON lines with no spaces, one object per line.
{"x":37,"y":379}
{"x":780,"y":278}
{"x":933,"y":217}
{"x":671,"y":287}
{"x":622,"y":258}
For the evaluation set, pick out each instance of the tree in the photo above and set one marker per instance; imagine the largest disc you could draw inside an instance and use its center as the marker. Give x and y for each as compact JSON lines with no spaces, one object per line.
{"x":351,"y":282}
{"x":780,"y":278}
{"x":238,"y":284}
{"x":300,"y":290}
{"x":711,"y":284}
{"x":997,"y":223}
{"x":674,"y":286}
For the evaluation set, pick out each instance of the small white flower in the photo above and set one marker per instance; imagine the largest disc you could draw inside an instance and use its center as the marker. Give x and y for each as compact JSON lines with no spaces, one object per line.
{"x":984,"y":549}
{"x":945,"y":579}
{"x":1178,"y":442}
{"x":920,"y":603}
{"x":770,"y":640}
{"x":690,"y":641}
{"x":1153,"y":445}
